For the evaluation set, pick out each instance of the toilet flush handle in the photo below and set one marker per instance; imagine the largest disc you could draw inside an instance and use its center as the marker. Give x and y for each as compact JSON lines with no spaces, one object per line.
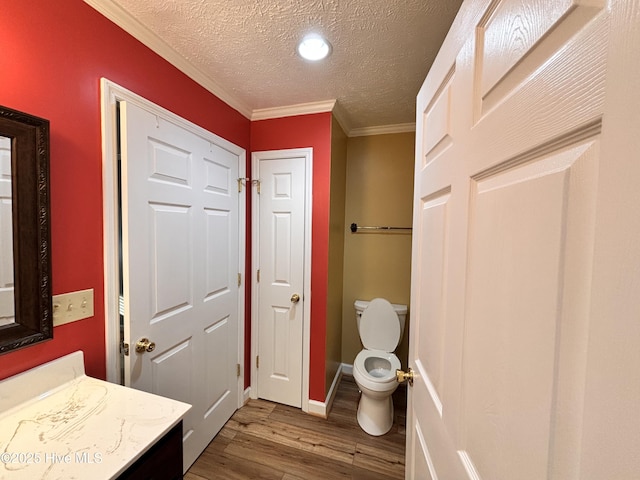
{"x":295,"y":298}
{"x":402,"y":376}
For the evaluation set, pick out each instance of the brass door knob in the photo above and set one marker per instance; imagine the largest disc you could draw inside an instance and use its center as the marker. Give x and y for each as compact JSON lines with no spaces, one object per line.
{"x":407,"y":376}
{"x":145,"y":345}
{"x":295,"y":298}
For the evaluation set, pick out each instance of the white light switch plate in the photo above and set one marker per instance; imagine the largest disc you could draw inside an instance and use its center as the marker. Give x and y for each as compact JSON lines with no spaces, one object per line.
{"x":72,"y":306}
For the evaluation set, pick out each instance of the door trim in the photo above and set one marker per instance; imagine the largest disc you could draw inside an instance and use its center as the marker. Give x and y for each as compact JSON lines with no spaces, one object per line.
{"x":256,"y":157}
{"x":110,"y":94}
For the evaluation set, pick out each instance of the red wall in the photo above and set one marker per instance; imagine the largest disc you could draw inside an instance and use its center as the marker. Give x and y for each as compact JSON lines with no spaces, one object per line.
{"x":52,"y":55}
{"x":299,"y":132}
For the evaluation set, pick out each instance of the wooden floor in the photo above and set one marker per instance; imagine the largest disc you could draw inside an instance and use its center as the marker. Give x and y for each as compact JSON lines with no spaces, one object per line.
{"x":272,"y":441}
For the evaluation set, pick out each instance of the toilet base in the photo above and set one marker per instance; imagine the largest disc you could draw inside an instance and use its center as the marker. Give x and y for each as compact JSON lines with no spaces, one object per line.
{"x":375,"y":415}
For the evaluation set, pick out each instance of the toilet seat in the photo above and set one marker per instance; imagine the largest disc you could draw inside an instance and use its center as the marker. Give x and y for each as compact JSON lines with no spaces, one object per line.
{"x":377,"y":383}
{"x":380,"y":326}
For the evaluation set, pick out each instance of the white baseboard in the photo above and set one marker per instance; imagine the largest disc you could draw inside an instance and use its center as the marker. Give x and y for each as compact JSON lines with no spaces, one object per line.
{"x":322,"y":409}
{"x":319,"y":409}
{"x":334,"y":388}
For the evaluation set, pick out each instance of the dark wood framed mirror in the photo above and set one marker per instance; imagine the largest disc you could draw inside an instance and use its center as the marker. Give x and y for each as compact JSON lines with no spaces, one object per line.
{"x":26,"y":315}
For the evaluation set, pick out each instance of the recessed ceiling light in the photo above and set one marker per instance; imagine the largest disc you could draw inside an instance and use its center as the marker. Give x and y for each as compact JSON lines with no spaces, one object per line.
{"x":314,"y":47}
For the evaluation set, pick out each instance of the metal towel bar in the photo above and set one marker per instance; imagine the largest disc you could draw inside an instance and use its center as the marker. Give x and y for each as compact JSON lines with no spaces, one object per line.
{"x":355,"y":228}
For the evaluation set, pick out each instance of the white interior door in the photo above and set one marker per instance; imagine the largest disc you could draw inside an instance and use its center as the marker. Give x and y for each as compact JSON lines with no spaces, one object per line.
{"x":523,"y":205}
{"x":180,"y":269}
{"x":280,"y":259}
{"x":7,"y":304}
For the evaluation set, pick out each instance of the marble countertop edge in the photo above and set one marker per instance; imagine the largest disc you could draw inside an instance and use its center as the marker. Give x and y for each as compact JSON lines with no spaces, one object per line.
{"x":69,"y":418}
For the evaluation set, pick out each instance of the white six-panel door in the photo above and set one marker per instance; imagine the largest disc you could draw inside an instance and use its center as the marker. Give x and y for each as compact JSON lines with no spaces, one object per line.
{"x":180,"y":242}
{"x":519,"y":234}
{"x":281,"y":249}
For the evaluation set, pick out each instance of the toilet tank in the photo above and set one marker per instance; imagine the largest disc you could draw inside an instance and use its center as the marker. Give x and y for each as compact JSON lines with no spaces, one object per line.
{"x":401,"y":310}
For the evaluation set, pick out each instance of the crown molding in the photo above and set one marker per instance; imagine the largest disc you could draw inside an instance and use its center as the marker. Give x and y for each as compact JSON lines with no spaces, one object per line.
{"x":341,"y":117}
{"x":383,"y":129}
{"x":132,"y":26}
{"x":129,"y":24}
{"x":292,"y":110}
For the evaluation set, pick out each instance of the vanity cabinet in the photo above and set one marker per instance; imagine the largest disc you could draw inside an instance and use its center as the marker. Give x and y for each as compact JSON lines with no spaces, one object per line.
{"x":163,"y":461}
{"x":56,"y":422}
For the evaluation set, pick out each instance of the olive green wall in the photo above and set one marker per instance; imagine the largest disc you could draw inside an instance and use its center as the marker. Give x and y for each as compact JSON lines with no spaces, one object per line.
{"x":379,"y":191}
{"x":333,"y":356}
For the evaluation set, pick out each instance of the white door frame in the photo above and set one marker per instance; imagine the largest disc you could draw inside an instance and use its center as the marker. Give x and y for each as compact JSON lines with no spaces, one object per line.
{"x":110,"y":95}
{"x":307,"y":154}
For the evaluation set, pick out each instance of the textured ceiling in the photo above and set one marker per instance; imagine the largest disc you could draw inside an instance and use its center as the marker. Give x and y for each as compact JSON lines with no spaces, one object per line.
{"x":382,"y":50}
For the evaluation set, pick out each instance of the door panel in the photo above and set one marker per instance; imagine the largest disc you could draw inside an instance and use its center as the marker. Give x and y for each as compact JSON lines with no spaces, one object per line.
{"x":515,"y":307}
{"x":216,"y":342}
{"x":180,"y":264}
{"x":218,"y":231}
{"x":430,"y":336}
{"x":509,"y":162}
{"x":168,"y":378}
{"x":508,"y":31}
{"x":170,"y":244}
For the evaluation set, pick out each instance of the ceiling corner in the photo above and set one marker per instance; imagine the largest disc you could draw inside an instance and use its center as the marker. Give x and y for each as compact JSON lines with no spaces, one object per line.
{"x":132,"y":26}
{"x":340,"y":115}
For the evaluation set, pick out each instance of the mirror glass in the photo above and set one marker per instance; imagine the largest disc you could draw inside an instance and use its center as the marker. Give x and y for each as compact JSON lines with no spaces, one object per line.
{"x":7,"y":303}
{"x":26,"y":315}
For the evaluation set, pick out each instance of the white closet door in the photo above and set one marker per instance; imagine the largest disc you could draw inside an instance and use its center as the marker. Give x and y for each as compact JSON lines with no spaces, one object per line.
{"x":281,"y":244}
{"x":180,"y":277}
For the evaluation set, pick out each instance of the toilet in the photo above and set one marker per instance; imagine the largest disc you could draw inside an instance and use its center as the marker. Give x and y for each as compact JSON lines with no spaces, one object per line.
{"x":380,"y":326}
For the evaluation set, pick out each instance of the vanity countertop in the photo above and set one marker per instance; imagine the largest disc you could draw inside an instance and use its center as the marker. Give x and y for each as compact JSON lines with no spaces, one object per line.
{"x":58,"y":423}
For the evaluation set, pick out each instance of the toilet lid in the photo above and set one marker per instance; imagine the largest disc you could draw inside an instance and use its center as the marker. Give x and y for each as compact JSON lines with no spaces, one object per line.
{"x":380,"y":326}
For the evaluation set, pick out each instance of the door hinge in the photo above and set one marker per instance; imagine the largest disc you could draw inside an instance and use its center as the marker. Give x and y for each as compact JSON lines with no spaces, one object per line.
{"x":237,"y":369}
{"x":258,"y":276}
{"x":239,"y":279}
{"x":257,"y":361}
{"x":124,"y":349}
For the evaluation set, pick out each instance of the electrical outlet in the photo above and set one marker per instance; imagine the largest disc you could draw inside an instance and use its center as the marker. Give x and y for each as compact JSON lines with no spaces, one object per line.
{"x":72,"y":306}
